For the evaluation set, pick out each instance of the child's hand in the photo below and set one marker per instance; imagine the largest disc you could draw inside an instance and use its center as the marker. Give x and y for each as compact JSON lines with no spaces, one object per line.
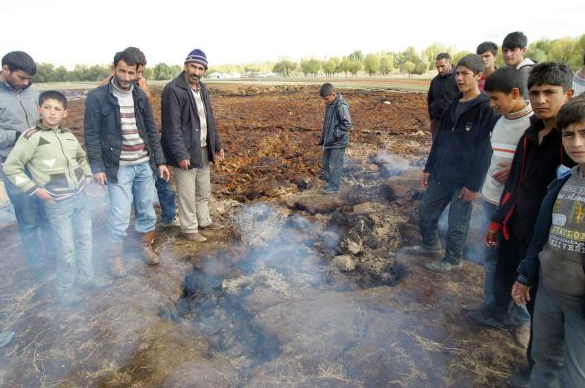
{"x":44,"y":195}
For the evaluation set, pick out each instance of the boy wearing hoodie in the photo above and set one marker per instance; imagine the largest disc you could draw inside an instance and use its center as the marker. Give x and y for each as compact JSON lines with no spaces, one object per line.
{"x":456,"y":167}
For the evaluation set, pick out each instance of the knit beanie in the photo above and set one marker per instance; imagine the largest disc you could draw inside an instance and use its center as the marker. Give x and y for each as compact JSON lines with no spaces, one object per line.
{"x":197,"y":56}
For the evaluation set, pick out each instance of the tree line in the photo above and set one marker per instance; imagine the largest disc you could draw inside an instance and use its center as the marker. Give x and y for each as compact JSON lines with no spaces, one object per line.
{"x":410,"y":61}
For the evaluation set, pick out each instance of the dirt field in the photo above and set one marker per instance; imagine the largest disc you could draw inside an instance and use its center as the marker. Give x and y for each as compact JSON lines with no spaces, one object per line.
{"x":301,"y":290}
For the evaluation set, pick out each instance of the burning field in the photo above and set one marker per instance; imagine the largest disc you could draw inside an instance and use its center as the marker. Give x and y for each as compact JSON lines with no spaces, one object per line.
{"x":300,"y":290}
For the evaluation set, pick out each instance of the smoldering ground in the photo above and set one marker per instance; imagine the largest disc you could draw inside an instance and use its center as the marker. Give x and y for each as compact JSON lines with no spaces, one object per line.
{"x":270,"y":304}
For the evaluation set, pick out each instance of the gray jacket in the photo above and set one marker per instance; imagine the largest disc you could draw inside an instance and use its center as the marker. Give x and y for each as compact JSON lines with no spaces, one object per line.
{"x":336,"y":124}
{"x":18,"y":112}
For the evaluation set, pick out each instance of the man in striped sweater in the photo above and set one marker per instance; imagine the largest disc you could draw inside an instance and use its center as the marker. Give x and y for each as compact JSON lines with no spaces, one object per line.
{"x":124,"y":152}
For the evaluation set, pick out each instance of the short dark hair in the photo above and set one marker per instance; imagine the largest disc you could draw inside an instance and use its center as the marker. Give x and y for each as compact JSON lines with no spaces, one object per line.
{"x":514,"y":40}
{"x":139,"y":54}
{"x":443,"y":56}
{"x":326,"y":90}
{"x":19,"y":60}
{"x":128,"y":55}
{"x":473,"y":62}
{"x":504,"y":80}
{"x":551,"y":73}
{"x":487,"y":46}
{"x":572,"y":112}
{"x":53,"y":95}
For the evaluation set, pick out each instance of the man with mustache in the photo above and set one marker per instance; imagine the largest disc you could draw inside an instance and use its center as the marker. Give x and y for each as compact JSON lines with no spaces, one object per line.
{"x":442,"y":91}
{"x":190,"y":142}
{"x":124,"y":152}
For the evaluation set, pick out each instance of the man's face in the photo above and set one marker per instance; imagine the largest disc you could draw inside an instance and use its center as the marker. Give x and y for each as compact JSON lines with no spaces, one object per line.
{"x":488,"y":59}
{"x":16,"y":79}
{"x":574,"y":142}
{"x":328,"y":100}
{"x":546,"y":100}
{"x":466,"y":80}
{"x":444,"y":67}
{"x":513,"y":57}
{"x":194,"y":72}
{"x":52,"y":112}
{"x":501,"y":102}
{"x":125,"y":75}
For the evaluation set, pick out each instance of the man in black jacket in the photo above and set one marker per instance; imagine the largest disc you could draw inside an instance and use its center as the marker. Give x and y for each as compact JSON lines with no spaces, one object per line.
{"x":442,"y":91}
{"x":190,"y":142}
{"x":124,"y":151}
{"x":456,"y":168}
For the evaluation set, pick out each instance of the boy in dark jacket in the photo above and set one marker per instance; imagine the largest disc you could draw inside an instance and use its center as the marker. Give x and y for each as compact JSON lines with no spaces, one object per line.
{"x":334,"y":138}
{"x":537,"y":156}
{"x":456,"y":168}
{"x":556,"y":261}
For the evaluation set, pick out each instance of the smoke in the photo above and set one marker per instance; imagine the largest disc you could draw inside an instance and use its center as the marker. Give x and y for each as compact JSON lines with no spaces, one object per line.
{"x":391,"y":165}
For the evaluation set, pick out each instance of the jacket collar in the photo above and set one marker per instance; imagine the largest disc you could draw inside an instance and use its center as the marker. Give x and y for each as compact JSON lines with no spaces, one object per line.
{"x":42,"y":127}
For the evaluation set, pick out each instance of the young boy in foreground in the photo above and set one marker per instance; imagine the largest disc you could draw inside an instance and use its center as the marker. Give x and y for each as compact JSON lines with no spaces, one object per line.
{"x":556,"y":260}
{"x":334,"y":138}
{"x":60,"y":171}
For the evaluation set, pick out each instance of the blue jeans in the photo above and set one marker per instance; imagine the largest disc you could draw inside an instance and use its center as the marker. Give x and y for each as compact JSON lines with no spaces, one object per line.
{"x":71,"y":222}
{"x":435,"y":200}
{"x":332,"y":165}
{"x":490,"y":256}
{"x":35,"y":232}
{"x":166,"y":199}
{"x":135,"y":183}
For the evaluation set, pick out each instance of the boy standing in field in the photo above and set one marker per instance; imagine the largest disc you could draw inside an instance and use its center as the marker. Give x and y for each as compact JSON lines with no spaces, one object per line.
{"x":488,"y":51}
{"x":60,"y":171}
{"x":334,"y":137}
{"x":504,"y":89}
{"x":534,"y":166}
{"x":556,"y":261}
{"x":456,"y":167}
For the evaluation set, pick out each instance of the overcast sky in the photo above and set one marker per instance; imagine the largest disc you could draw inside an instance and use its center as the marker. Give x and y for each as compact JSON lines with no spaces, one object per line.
{"x":66,"y":32}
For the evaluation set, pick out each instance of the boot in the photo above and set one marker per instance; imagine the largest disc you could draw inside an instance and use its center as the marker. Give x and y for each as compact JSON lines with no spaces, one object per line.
{"x":149,"y":255}
{"x":116,"y":262}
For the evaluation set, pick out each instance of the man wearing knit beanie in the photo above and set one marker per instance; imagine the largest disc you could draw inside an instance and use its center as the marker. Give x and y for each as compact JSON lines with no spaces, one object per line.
{"x":456,"y":168}
{"x":190,"y":142}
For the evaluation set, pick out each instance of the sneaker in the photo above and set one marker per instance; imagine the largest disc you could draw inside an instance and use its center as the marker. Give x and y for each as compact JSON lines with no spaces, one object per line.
{"x":522,"y":335}
{"x":475,"y":306}
{"x":68,"y":298}
{"x":443,"y":266}
{"x":520,"y":379}
{"x":6,"y":338}
{"x":174,"y":222}
{"x":94,"y":283}
{"x":419,"y":250}
{"x":484,"y":317}
{"x":194,"y":237}
{"x":213,"y":226}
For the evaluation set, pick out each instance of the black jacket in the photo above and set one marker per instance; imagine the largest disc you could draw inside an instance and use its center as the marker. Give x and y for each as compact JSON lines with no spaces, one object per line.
{"x":336,"y":124}
{"x":103,"y":130}
{"x":442,"y":91}
{"x":181,"y":136}
{"x":461,"y":152}
{"x":533,"y":168}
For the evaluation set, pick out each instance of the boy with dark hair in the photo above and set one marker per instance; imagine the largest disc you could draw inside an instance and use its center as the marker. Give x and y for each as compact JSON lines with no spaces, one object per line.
{"x":334,"y":137}
{"x":555,"y":260}
{"x":514,"y":52}
{"x":579,"y":80}
{"x":60,"y":185}
{"x":442,"y":90}
{"x":537,"y":156}
{"x":504,"y":89}
{"x":456,"y":167}
{"x":488,"y":51}
{"x":124,"y":150}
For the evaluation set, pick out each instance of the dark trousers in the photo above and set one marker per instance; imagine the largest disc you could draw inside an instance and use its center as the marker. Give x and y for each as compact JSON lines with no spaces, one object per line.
{"x":166,"y":199}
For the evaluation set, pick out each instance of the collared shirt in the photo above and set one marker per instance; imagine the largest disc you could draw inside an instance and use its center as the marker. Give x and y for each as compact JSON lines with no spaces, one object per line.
{"x":201,"y":113}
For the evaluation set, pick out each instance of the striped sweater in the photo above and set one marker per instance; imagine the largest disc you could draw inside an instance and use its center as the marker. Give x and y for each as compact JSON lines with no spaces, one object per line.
{"x":505,"y":136}
{"x":133,"y":149}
